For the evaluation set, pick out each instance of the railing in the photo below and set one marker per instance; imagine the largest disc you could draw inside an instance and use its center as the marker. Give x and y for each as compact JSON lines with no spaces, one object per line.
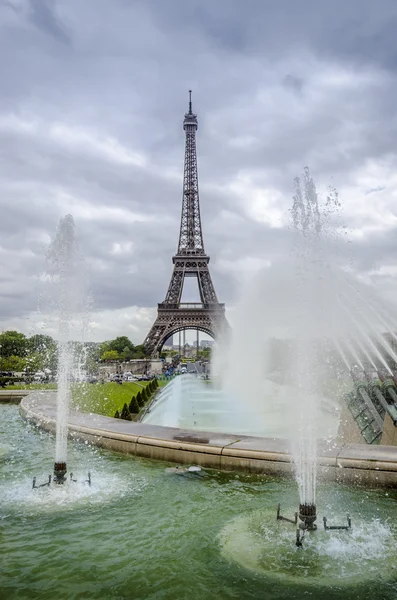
{"x":190,"y":305}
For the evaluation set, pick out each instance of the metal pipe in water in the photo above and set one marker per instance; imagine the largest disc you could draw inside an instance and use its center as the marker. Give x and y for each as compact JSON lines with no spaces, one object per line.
{"x":390,"y":388}
{"x":361,"y":389}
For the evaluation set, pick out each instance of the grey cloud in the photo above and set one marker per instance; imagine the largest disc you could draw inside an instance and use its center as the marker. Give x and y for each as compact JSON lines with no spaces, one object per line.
{"x":261,"y":74}
{"x":42,"y":14}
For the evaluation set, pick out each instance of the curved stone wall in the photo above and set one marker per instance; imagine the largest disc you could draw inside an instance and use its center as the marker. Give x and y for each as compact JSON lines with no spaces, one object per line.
{"x":349,"y":463}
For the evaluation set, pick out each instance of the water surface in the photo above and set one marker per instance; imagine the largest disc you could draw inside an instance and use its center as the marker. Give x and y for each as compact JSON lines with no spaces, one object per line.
{"x":143,"y":532}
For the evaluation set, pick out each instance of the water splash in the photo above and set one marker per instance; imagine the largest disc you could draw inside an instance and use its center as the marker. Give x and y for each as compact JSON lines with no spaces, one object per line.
{"x":65,"y":269}
{"x":258,"y":543}
{"x":303,"y":327}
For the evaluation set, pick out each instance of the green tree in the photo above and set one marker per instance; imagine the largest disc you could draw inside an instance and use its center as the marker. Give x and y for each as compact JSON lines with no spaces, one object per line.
{"x":40,"y":343}
{"x":110,"y":355}
{"x":117,"y":415}
{"x":139,"y":351}
{"x":139,"y":398}
{"x":134,"y":406}
{"x":206,"y":352}
{"x":104,"y":347}
{"x":34,"y":362}
{"x":42,"y":353}
{"x":13,"y":363}
{"x":121,"y":344}
{"x":126,"y":354}
{"x":13,"y":343}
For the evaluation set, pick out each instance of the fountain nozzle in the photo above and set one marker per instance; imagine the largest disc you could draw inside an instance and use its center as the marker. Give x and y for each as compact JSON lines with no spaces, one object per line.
{"x":307,"y":514}
{"x":59,"y":472}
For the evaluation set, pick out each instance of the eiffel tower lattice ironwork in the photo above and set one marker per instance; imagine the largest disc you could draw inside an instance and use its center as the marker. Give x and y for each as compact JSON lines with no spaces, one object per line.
{"x":190,"y":260}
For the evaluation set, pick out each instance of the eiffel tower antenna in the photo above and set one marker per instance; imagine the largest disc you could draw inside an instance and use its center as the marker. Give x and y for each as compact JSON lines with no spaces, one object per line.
{"x":190,"y":260}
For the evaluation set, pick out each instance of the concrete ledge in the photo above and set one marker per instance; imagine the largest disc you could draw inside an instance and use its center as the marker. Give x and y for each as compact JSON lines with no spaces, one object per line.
{"x":12,"y":396}
{"x":348,"y":463}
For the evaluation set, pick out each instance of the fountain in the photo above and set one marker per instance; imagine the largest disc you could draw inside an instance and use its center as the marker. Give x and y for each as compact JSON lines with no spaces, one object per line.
{"x":312,"y":344}
{"x":217,"y":530}
{"x":66,"y":275}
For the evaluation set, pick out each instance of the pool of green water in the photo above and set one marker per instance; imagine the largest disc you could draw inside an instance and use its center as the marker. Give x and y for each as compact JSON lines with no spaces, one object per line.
{"x":142,"y":531}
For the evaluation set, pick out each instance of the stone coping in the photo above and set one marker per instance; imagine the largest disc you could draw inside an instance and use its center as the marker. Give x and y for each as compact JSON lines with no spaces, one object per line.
{"x":350,"y":463}
{"x":12,"y":396}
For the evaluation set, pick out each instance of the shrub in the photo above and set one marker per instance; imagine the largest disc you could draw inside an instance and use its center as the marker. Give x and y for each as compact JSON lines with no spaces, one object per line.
{"x":125,"y":413}
{"x":145,"y":396}
{"x":134,"y":406}
{"x":140,"y":399}
{"x":117,"y":415}
{"x":10,"y":380}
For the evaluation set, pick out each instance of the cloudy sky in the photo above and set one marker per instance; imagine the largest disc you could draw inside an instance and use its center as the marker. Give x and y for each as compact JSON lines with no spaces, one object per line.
{"x":92,"y":100}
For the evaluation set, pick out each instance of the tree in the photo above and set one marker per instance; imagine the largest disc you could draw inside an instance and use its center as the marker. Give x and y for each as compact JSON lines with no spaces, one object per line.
{"x":206,"y":352}
{"x":134,"y":406}
{"x":13,"y":363}
{"x":140,"y":399}
{"x":93,"y":355}
{"x":117,"y":415}
{"x":139,"y":351}
{"x":110,"y":355}
{"x":13,"y":343}
{"x":126,"y":354}
{"x":40,"y":343}
{"x":121,"y":344}
{"x":34,"y":362}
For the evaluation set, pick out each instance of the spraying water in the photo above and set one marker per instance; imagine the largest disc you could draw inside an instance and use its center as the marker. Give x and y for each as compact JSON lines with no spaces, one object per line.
{"x":300,"y":328}
{"x":65,"y":270}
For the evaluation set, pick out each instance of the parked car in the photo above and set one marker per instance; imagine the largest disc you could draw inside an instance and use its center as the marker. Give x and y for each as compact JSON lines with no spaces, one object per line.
{"x":117,"y":377}
{"x":145,"y":378}
{"x":128,"y":376}
{"x":39,"y":377}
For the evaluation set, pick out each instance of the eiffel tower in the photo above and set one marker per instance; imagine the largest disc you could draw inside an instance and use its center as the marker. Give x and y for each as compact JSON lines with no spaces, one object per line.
{"x":190,"y":260}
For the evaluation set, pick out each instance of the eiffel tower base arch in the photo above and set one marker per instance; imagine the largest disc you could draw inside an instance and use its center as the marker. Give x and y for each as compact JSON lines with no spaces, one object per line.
{"x":171,"y":320}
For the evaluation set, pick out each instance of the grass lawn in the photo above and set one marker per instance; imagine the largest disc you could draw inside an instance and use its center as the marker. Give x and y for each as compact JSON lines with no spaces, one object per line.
{"x":104,"y":399}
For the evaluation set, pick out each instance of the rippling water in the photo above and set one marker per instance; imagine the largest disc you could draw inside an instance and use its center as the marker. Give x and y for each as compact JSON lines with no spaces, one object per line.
{"x":142,"y":532}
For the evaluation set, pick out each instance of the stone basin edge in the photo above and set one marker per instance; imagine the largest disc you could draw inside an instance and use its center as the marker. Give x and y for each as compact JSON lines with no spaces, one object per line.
{"x":361,"y":464}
